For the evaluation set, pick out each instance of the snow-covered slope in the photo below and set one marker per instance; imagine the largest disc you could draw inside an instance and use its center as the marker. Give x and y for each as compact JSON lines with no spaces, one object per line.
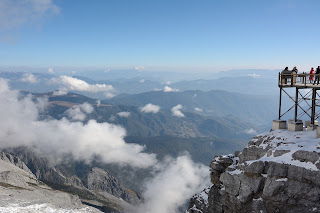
{"x":20,"y":191}
{"x":277,"y":172}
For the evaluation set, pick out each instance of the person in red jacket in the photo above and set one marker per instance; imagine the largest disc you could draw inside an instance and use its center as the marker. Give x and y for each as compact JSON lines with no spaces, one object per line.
{"x":311,"y":77}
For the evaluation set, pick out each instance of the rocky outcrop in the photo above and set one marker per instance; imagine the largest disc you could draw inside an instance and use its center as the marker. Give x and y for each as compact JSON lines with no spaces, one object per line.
{"x":101,"y":181}
{"x":276,"y":172}
{"x":97,"y":187}
{"x":20,"y":191}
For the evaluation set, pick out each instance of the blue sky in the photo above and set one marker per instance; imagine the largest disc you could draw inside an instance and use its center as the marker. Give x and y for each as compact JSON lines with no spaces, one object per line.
{"x":194,"y":35}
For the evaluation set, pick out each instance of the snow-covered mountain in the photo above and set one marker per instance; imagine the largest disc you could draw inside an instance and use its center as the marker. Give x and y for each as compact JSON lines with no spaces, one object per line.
{"x":276,"y":172}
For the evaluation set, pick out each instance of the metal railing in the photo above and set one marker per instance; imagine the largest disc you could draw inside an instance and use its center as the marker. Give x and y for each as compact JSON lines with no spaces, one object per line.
{"x":297,"y":79}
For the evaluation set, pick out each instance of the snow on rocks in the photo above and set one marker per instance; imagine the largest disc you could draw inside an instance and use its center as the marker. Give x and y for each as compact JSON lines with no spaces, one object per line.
{"x":276,"y":172}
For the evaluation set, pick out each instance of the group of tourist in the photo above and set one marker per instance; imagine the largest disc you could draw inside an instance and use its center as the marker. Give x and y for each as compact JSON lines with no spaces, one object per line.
{"x":314,"y":75}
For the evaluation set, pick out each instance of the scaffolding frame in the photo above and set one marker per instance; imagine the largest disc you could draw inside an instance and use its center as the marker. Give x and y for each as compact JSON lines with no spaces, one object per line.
{"x":306,"y":102}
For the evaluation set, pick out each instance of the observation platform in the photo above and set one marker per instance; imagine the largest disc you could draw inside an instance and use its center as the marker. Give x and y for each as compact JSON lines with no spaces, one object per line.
{"x":299,"y":80}
{"x":305,"y":104}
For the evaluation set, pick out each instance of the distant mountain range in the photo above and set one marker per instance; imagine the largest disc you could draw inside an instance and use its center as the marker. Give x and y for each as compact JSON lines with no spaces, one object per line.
{"x":249,"y":108}
{"x":162,"y":123}
{"x":264,"y":83}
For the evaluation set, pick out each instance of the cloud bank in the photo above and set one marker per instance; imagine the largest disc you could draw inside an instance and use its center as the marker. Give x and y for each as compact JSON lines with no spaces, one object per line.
{"x":198,"y":109}
{"x":123,"y":114}
{"x":176,"y":111}
{"x":176,"y":180}
{"x":169,"y":89}
{"x":150,"y":108}
{"x":79,"y":112}
{"x":19,"y":126}
{"x":29,"y":78}
{"x":80,"y":85}
{"x":251,"y":131}
{"x":60,"y":92}
{"x":74,"y":84}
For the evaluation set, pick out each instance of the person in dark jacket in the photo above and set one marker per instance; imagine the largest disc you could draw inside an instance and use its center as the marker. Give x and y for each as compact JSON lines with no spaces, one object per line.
{"x":286,"y":73}
{"x":295,"y":70}
{"x":317,"y":76}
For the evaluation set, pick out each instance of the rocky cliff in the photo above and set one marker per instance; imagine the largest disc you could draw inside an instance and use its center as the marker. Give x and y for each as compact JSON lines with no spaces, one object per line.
{"x":97,"y":187}
{"x":21,"y":191}
{"x":275,"y":172}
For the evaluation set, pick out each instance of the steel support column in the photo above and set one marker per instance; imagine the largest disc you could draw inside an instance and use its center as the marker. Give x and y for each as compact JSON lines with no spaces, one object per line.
{"x":313,"y":110}
{"x":280,"y":103}
{"x":296,"y":106}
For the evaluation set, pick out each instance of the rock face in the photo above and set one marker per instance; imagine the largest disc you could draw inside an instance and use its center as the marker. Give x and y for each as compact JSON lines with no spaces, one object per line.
{"x":20,"y":191}
{"x":101,"y":181}
{"x":276,"y":172}
{"x":98,"y":184}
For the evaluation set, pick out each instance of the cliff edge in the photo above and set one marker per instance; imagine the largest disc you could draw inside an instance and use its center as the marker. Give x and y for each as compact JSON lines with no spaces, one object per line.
{"x":275,"y":172}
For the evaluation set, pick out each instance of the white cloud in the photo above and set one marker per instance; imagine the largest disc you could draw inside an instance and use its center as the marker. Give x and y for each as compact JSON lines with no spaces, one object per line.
{"x":112,"y":118}
{"x":73,"y":72}
{"x":169,"y":89}
{"x":198,"y":109}
{"x":251,"y":131}
{"x":139,"y":68}
{"x":98,"y":103}
{"x":109,"y":95}
{"x":150,"y":108}
{"x":60,"y":92}
{"x":141,"y":81}
{"x":79,"y":112}
{"x":50,"y":70}
{"x":123,"y":114}
{"x":168,"y":82}
{"x":29,"y":78}
{"x":19,"y":126}
{"x":253,"y":75}
{"x":75,"y":84}
{"x":176,"y":111}
{"x":175,"y":182}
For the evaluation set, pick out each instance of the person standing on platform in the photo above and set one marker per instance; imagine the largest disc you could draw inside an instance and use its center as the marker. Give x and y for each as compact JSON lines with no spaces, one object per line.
{"x":285,"y":75}
{"x":311,"y":77}
{"x":295,"y":70}
{"x":317,"y":76}
{"x":294,"y":73}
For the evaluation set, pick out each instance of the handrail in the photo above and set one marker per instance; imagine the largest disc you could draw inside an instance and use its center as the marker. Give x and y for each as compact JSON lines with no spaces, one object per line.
{"x":297,"y":78}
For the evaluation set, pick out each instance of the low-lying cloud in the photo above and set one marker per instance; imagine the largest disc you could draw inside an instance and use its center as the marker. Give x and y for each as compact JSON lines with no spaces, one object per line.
{"x":150,"y":108}
{"x":20,"y":126}
{"x":169,"y":89}
{"x":29,"y":78}
{"x":60,"y":92}
{"x":123,"y":114}
{"x":75,"y":84}
{"x":176,"y":111}
{"x":79,"y":112}
{"x":251,"y":131}
{"x":175,"y":181}
{"x":98,"y":103}
{"x":198,"y":109}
